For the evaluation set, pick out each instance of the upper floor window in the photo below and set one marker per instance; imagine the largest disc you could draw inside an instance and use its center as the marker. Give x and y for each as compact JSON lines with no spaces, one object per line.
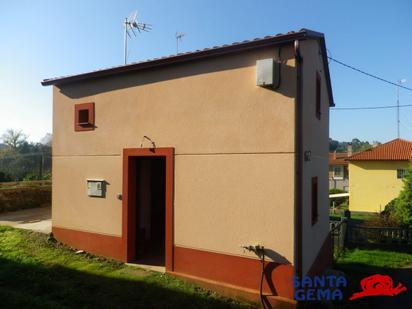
{"x":400,"y":173}
{"x":338,"y":171}
{"x":84,"y":117}
{"x":318,"y":95}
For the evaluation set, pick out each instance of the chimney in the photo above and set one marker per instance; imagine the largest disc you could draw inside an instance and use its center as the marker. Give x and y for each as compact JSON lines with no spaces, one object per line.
{"x":349,"y":149}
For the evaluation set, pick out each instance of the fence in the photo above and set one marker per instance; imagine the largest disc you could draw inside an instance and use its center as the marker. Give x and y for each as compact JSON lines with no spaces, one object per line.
{"x":346,"y":234}
{"x":338,"y":236}
{"x":379,"y":236}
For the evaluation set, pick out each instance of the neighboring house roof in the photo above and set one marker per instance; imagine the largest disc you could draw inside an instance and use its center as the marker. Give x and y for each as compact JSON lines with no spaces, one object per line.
{"x":395,"y":150}
{"x":338,"y":158}
{"x":279,"y":39}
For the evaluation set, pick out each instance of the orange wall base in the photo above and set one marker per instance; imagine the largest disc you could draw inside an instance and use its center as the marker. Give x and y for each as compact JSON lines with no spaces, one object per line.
{"x":235,"y":270}
{"x":233,"y":276}
{"x":104,"y":245}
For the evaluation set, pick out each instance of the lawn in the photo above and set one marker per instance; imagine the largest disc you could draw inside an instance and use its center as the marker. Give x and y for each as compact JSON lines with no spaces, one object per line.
{"x":364,"y":258}
{"x":357,"y":264}
{"x":38,"y":273}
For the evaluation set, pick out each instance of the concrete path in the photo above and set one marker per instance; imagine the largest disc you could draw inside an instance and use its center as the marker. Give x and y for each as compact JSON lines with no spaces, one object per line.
{"x":36,"y":219}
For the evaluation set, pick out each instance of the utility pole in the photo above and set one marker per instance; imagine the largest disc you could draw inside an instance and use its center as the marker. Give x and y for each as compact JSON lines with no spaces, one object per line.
{"x":400,"y":82}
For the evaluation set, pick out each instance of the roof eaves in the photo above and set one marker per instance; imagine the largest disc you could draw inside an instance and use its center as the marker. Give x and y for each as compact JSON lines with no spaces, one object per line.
{"x":182,"y":57}
{"x":278,"y":39}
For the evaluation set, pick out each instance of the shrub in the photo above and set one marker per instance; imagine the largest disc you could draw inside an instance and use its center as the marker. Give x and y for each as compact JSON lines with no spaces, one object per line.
{"x":402,"y":209}
{"x":24,"y":197}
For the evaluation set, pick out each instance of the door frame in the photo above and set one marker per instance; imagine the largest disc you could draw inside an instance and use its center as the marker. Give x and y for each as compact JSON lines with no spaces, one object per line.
{"x":129,"y":202}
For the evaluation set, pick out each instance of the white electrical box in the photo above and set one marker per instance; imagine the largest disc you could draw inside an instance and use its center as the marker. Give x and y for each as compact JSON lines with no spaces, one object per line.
{"x":268,"y":73}
{"x":96,"y":187}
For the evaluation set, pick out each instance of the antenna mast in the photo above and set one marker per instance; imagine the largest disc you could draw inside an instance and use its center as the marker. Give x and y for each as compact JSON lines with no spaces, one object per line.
{"x":179,"y":36}
{"x":131,"y":23}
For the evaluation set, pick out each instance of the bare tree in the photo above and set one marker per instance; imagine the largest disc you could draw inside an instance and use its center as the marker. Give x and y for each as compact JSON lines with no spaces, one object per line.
{"x":14,"y":138}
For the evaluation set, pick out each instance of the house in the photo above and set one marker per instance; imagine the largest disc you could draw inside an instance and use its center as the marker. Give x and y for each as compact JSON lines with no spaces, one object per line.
{"x":190,"y":160}
{"x":338,"y":169}
{"x":376,"y":175}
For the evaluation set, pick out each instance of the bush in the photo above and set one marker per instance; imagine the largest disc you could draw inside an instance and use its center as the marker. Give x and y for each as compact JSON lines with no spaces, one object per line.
{"x":24,"y":197}
{"x":402,"y":209}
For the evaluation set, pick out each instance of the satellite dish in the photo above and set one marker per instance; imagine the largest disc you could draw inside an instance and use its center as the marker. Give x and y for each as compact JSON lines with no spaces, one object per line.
{"x":131,"y":23}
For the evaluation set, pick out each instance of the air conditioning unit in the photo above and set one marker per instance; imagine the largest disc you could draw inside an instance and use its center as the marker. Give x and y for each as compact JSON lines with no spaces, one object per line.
{"x":268,"y":73}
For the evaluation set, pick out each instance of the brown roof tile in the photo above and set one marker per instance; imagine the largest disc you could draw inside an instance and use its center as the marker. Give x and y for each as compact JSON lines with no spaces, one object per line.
{"x":395,"y":150}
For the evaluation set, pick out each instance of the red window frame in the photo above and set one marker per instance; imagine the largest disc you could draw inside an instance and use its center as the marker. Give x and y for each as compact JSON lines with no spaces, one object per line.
{"x":82,"y":111}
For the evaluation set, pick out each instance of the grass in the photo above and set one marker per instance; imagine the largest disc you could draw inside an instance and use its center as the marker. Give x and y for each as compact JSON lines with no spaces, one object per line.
{"x":357,"y":264}
{"x":356,"y":217}
{"x":374,"y":258}
{"x":363,"y":216}
{"x":37,"y":273}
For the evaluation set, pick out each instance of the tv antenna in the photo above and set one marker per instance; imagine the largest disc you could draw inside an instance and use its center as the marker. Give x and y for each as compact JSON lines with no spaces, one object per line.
{"x":131,"y":23}
{"x":179,"y":37}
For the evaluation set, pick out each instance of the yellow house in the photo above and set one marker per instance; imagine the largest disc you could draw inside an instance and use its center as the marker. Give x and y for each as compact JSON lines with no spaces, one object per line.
{"x":376,"y":175}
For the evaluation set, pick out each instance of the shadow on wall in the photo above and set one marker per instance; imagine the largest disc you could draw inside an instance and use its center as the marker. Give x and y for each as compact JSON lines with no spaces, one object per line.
{"x":85,"y":88}
{"x":33,"y":286}
{"x":271,"y":275}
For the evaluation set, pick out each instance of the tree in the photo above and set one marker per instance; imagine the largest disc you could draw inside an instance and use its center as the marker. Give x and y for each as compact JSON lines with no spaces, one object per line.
{"x":357,"y":145}
{"x":14,"y":138}
{"x":47,"y":139}
{"x":403,"y":204}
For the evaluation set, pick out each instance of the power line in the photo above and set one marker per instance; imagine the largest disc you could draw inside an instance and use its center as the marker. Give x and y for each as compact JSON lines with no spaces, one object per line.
{"x":368,"y":74}
{"x":370,"y":107}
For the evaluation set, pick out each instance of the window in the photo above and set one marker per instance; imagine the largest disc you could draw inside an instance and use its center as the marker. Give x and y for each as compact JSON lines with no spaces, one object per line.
{"x":84,"y":117}
{"x":314,"y":200}
{"x":338,"y":171}
{"x":318,"y":95}
{"x":400,"y":173}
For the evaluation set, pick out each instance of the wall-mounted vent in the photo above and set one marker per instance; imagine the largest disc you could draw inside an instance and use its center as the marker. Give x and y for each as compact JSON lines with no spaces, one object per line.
{"x":268,"y":73}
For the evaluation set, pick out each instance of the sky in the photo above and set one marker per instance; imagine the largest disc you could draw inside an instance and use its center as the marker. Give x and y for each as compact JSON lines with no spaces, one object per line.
{"x":48,"y":38}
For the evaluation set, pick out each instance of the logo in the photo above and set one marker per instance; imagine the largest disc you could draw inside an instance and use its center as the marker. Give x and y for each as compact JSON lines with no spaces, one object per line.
{"x":319,"y":287}
{"x":377,"y":285}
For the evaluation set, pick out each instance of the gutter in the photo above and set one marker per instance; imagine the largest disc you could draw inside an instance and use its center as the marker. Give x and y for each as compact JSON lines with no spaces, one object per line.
{"x":298,"y":161}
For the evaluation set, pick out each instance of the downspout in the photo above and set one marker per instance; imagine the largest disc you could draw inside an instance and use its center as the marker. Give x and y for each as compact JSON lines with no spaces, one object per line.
{"x":298,"y":162}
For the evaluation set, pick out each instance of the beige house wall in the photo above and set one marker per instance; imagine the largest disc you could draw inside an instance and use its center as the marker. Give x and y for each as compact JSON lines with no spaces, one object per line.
{"x":315,"y":140}
{"x":234,"y":145}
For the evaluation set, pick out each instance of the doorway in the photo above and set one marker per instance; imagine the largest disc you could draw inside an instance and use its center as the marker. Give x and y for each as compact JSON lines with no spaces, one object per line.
{"x":147,"y":206}
{"x":150,"y":210}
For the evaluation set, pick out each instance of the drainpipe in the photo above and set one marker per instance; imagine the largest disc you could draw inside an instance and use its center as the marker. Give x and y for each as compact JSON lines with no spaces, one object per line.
{"x":298,"y":161}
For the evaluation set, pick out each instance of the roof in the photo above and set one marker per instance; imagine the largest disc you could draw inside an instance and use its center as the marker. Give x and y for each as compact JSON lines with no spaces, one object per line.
{"x":395,"y":150}
{"x":338,"y":158}
{"x":278,"y":39}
